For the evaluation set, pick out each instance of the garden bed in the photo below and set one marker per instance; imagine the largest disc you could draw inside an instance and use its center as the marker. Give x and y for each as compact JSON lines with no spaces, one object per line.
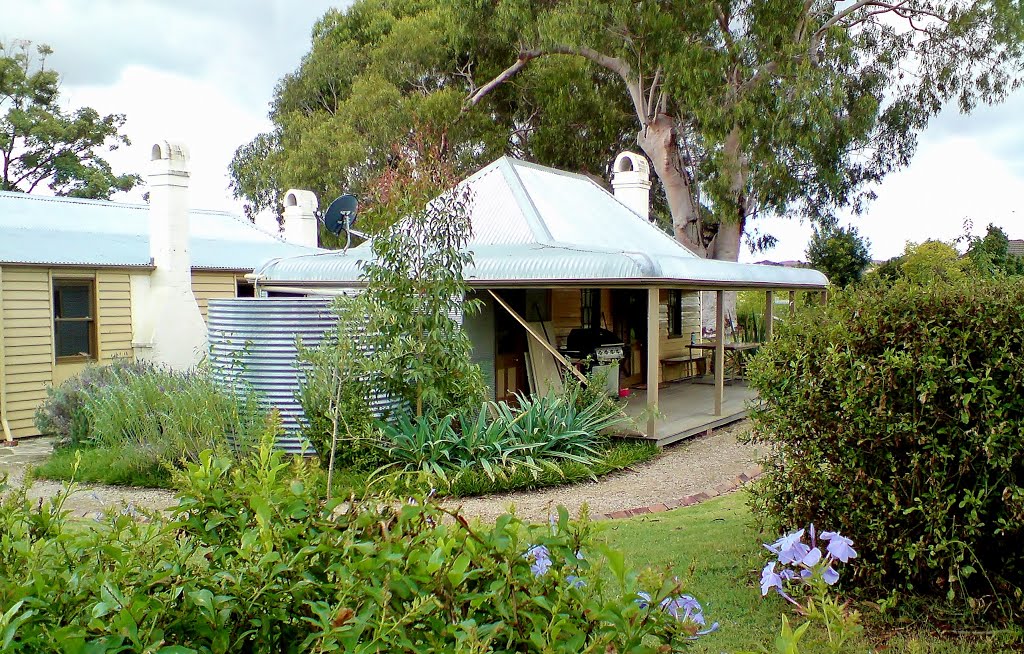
{"x":126,"y":466}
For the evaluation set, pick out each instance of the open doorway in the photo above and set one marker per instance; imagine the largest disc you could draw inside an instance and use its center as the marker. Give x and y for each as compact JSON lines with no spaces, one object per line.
{"x":629,"y":322}
{"x":510,"y":347}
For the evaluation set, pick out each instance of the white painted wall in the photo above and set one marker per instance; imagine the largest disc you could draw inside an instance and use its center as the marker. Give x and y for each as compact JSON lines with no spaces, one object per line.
{"x":170,"y":328}
{"x":631,"y":182}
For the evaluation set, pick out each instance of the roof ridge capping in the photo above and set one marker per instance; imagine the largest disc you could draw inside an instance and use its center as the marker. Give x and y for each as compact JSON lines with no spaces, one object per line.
{"x":522,"y":195}
{"x":119,"y":204}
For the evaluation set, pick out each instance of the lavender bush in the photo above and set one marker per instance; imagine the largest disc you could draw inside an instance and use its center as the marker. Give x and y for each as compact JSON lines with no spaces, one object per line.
{"x":63,"y":413}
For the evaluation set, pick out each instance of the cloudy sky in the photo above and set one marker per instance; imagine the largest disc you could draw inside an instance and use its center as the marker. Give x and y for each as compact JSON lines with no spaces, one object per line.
{"x":203,"y":72}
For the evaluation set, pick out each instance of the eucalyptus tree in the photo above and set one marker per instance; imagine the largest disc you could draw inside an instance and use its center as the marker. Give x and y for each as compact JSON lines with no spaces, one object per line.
{"x":381,"y":70}
{"x":754,"y":107}
{"x":745,"y":108}
{"x":43,"y":145}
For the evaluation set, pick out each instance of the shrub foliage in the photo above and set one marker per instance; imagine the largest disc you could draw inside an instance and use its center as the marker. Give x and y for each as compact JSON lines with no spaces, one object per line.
{"x":146,"y":416}
{"x":63,"y":413}
{"x":499,"y":439}
{"x":897,"y":416}
{"x":252,"y":561}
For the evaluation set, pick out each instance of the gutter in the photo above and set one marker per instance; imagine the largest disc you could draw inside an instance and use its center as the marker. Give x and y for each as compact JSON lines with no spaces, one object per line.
{"x":323,"y":287}
{"x":90,"y":266}
{"x":8,"y":437}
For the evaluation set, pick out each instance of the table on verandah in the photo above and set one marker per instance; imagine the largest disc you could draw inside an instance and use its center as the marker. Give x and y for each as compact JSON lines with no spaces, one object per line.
{"x":734,"y":355}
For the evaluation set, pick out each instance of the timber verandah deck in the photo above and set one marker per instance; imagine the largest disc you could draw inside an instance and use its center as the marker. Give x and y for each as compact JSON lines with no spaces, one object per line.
{"x":688,"y":408}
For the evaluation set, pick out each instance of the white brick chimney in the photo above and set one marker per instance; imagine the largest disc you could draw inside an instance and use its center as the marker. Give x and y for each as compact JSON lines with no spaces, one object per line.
{"x":169,"y":327}
{"x":300,"y":225}
{"x":631,"y":182}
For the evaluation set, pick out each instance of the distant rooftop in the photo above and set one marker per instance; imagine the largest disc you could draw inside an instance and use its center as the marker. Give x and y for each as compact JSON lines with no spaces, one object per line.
{"x":790,"y":263}
{"x":1016,"y":247}
{"x":43,"y":230}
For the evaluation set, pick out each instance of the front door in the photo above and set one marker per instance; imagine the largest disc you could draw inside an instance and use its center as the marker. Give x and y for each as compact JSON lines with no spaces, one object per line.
{"x":629,"y":310}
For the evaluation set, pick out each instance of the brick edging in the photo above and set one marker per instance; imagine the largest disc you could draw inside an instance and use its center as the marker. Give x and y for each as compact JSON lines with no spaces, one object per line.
{"x":744,"y":477}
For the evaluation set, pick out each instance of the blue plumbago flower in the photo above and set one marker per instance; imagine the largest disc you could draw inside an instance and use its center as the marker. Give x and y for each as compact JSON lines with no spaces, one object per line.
{"x":770,"y":579}
{"x":684,"y":607}
{"x":839,"y":546}
{"x":712,"y":628}
{"x":790,"y":548}
{"x":801,"y":563}
{"x":575,"y":582}
{"x":811,"y":558}
{"x":541,"y":560}
{"x":643,"y":600}
{"x":830,"y":575}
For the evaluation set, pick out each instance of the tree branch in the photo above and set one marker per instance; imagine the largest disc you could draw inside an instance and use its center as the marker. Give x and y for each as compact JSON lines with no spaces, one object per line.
{"x":650,"y":96}
{"x":525,"y":57}
{"x":757,"y":78}
{"x":723,"y":25}
{"x":614,"y":64}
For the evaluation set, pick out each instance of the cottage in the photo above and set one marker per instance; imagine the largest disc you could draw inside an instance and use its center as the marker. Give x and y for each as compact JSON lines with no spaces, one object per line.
{"x":564,"y":268}
{"x":87,"y":281}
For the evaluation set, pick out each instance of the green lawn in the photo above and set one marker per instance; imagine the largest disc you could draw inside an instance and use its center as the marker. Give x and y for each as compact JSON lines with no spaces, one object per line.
{"x":117,"y":466}
{"x":718,"y":539}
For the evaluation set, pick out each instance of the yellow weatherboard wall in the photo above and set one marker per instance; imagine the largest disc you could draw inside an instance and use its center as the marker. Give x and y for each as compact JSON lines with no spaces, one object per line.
{"x":27,"y":363}
{"x":28,"y":344}
{"x":210,"y":285}
{"x":29,"y":367}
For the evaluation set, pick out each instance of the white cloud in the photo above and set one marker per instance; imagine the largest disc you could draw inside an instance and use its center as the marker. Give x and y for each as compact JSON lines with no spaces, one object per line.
{"x":191,"y":70}
{"x":167,"y":106}
{"x":957,"y":174}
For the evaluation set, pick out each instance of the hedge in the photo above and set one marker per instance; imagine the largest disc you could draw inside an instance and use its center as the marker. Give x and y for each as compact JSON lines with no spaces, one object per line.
{"x":896,"y":416}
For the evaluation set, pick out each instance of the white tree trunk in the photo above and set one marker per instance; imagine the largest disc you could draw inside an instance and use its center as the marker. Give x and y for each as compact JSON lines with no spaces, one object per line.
{"x":659,"y":142}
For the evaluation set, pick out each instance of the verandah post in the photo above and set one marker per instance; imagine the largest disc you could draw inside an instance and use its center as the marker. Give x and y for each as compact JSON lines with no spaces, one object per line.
{"x":653,"y":361}
{"x":719,"y":351}
{"x":769,"y":315}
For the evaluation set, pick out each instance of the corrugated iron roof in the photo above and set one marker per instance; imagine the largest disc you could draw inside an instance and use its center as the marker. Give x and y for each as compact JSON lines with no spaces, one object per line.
{"x":70,"y":231}
{"x":1016,"y":247}
{"x":534,"y":225}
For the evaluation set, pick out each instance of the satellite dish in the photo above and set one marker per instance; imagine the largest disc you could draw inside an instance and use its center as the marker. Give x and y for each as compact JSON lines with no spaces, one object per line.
{"x":341,"y":214}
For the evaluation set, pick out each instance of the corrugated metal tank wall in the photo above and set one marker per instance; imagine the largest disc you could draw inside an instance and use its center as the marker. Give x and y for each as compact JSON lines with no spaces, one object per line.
{"x":252,"y":341}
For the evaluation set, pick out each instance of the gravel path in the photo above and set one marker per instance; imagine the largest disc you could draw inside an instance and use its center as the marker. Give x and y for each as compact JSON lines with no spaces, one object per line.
{"x":683,"y":469}
{"x":88,"y":499}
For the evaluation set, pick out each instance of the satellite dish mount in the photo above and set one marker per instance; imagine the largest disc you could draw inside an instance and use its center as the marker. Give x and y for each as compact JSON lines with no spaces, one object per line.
{"x":341,"y":217}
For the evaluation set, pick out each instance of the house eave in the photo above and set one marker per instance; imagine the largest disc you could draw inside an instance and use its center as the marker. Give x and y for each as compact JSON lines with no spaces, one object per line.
{"x":326,"y":287}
